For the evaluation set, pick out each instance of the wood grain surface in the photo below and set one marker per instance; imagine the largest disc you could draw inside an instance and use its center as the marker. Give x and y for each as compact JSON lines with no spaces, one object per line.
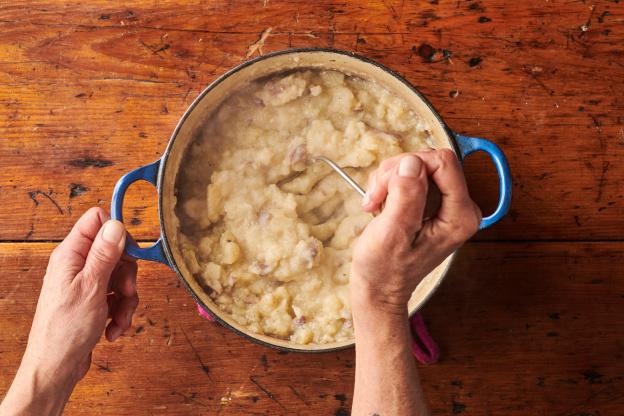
{"x":529,"y":321}
{"x":523,"y":328}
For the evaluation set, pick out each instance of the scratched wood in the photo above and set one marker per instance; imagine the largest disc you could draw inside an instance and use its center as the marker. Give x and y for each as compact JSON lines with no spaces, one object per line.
{"x":523,"y":328}
{"x":93,"y":90}
{"x":172,"y":360}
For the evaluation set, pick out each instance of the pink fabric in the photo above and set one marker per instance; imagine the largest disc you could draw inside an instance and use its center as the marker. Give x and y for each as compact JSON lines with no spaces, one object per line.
{"x":419,"y":332}
{"x":205,"y":314}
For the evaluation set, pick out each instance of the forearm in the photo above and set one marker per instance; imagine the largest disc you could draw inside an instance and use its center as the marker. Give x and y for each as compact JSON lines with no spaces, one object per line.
{"x":35,"y":393}
{"x":386,"y":378}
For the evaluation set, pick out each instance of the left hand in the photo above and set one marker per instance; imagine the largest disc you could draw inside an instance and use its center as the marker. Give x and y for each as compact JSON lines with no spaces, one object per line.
{"x":89,"y":279}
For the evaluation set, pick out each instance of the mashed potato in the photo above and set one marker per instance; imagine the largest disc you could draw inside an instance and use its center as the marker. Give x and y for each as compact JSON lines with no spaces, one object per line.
{"x":276,"y":256}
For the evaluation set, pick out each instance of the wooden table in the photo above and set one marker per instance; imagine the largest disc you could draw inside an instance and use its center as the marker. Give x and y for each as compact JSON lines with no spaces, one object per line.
{"x":530,"y":320}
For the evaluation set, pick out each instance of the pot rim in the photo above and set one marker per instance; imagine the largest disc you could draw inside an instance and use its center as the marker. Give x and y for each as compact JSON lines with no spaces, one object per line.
{"x":193,"y":105}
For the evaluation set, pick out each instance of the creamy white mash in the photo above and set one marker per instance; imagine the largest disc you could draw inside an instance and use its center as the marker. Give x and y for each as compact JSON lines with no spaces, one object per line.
{"x":277,"y":257}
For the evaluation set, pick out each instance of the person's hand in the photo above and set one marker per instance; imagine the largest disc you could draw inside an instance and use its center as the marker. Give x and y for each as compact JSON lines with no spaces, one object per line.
{"x":88,"y":280}
{"x":397,"y":249}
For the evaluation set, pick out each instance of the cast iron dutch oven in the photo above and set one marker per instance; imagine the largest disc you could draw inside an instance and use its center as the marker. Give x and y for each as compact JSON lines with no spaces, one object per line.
{"x":162,"y":173}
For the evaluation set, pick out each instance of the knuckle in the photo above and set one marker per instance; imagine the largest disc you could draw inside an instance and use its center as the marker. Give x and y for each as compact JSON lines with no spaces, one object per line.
{"x":409,"y":190}
{"x":471,"y":222}
{"x":58,"y":258}
{"x":478,"y":213}
{"x":55,"y":257}
{"x":134,"y":303}
{"x":446,"y":155}
{"x":451,"y":237}
{"x":133,"y":267}
{"x":102,"y":256}
{"x":96,"y":211}
{"x":464,"y":230}
{"x":447,"y":158}
{"x":476,"y":221}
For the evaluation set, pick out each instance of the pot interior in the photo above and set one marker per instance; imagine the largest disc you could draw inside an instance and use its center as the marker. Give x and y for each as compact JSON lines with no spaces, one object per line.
{"x":210,"y":99}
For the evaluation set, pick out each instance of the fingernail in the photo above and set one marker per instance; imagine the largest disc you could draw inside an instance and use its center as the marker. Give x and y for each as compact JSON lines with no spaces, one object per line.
{"x":129,"y":317}
{"x":113,"y":232}
{"x":410,"y":167}
{"x":369,"y":191}
{"x":116,"y":333}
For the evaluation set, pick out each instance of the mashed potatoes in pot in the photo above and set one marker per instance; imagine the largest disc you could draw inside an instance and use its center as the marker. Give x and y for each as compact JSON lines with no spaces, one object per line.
{"x":273,"y":255}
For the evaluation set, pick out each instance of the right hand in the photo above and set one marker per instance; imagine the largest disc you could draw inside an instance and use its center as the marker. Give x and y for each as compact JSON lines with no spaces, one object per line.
{"x":397,"y":249}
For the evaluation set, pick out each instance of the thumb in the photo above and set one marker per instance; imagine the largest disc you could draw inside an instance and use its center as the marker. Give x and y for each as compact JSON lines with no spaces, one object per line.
{"x":105,"y":252}
{"x":407,"y":194}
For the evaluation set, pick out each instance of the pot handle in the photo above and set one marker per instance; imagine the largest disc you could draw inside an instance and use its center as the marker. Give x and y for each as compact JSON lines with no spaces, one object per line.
{"x":468,"y":145}
{"x":147,"y":173}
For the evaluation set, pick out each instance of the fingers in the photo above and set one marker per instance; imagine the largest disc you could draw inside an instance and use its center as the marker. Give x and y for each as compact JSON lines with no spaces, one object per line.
{"x":402,"y":182}
{"x":407,"y":191}
{"x":123,"y":280}
{"x":126,"y":256}
{"x":378,"y":181}
{"x":458,"y":217}
{"x":124,"y":300}
{"x":69,"y":257}
{"x":102,"y":259}
{"x":377,"y":189}
{"x":404,"y":187}
{"x":121,"y":310}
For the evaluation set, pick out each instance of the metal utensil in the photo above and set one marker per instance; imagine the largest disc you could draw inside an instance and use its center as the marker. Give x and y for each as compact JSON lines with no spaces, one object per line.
{"x":434,"y":196}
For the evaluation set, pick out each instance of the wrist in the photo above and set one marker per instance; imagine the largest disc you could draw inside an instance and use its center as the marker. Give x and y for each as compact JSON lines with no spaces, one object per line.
{"x":36,"y":390}
{"x":376,"y":322}
{"x":371,"y":300}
